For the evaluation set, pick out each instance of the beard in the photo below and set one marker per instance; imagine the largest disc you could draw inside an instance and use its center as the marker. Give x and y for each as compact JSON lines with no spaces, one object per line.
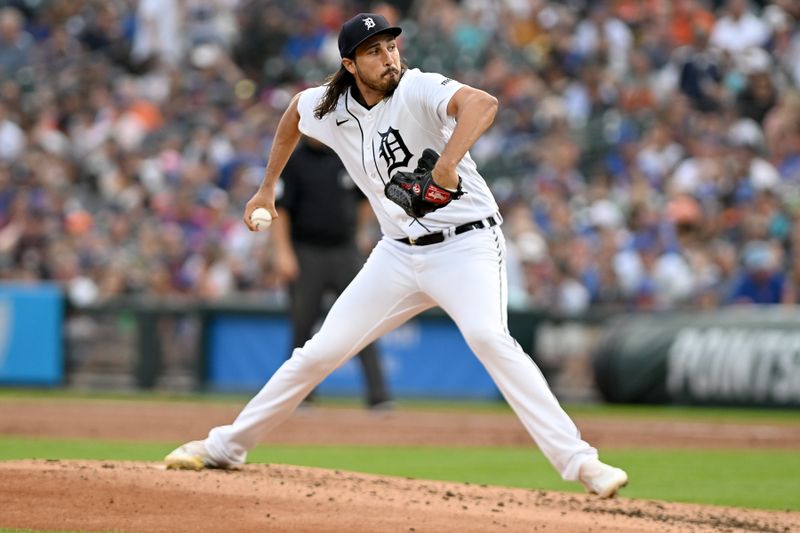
{"x":384,"y":83}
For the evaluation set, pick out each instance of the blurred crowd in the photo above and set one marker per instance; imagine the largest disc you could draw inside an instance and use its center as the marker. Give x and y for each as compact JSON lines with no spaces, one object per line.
{"x":646,"y":154}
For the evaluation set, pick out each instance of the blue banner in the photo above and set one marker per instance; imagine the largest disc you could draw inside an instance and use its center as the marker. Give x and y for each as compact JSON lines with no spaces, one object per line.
{"x":426,"y":357}
{"x":31,"y":318}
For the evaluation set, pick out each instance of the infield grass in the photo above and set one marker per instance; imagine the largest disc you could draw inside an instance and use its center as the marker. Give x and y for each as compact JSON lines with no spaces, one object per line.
{"x":768,"y":479}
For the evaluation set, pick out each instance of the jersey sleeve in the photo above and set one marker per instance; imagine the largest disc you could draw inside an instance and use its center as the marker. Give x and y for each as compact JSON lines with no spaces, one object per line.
{"x":309,"y":124}
{"x":431,"y":92}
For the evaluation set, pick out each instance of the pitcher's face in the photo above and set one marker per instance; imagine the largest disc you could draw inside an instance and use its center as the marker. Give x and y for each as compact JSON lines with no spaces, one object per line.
{"x":376,"y":63}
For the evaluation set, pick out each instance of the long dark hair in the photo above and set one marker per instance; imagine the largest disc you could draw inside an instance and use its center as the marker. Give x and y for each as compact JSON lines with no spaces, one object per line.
{"x":337,"y":83}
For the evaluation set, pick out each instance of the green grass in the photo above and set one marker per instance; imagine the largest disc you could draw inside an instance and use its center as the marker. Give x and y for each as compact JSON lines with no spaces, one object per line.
{"x":768,"y":479}
{"x":45,"y":448}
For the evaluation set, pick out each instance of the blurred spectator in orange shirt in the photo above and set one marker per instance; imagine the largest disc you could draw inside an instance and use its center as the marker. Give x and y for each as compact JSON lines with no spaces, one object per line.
{"x":687,"y":15}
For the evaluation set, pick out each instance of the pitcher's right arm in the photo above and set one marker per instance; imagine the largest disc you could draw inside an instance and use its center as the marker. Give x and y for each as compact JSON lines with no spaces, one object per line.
{"x":286,"y":137}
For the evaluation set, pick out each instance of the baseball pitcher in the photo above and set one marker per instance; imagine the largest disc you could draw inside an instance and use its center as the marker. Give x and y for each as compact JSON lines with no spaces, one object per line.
{"x":404,"y":136}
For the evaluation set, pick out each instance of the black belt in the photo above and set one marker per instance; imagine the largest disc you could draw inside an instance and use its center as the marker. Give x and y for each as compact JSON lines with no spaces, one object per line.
{"x":433,"y":238}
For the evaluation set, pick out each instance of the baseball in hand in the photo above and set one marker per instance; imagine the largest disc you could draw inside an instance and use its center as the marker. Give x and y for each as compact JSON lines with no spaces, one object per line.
{"x":260,"y":218}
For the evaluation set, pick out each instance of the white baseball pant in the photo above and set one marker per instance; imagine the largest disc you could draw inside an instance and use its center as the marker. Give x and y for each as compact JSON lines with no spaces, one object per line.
{"x":464,"y":275}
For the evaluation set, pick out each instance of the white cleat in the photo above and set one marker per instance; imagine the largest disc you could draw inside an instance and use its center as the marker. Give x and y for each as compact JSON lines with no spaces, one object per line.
{"x":602,"y":479}
{"x":190,"y":456}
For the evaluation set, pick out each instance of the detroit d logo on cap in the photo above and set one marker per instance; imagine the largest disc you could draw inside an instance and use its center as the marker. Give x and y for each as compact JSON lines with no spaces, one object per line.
{"x":369,"y":23}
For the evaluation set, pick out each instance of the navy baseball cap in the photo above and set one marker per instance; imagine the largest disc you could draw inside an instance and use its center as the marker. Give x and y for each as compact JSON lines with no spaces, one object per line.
{"x":360,"y":28}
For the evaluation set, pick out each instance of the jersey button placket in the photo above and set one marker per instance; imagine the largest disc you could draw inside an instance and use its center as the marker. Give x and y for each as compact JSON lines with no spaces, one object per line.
{"x":368,"y":147}
{"x":370,"y":164}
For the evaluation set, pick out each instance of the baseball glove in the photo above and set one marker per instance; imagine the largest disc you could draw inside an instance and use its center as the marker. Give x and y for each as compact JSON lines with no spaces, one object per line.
{"x":417,"y":192}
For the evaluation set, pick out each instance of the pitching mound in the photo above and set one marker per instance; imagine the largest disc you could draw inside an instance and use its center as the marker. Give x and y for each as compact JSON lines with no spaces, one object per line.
{"x":142,"y":497}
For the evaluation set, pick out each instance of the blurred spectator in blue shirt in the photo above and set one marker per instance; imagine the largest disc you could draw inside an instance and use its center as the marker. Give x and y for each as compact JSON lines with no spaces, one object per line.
{"x":16,"y":44}
{"x":761,"y":281}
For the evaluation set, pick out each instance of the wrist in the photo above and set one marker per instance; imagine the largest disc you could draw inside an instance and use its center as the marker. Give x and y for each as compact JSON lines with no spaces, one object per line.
{"x":447,"y":165}
{"x":447,"y":186}
{"x":268,"y":184}
{"x":448,"y":183}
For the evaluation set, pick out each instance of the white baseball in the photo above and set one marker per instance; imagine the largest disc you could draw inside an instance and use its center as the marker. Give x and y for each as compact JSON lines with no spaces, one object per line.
{"x":260,"y":218}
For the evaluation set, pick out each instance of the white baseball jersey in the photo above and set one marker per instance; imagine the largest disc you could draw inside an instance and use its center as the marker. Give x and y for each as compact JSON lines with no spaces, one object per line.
{"x":375,"y":143}
{"x":464,"y":275}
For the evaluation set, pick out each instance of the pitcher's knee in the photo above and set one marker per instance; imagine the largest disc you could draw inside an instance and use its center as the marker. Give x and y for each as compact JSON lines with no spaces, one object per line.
{"x":483,"y":339}
{"x":315,"y":363}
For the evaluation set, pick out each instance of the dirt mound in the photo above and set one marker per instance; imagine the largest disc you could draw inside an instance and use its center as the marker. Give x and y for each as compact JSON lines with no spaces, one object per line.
{"x":143,"y":497}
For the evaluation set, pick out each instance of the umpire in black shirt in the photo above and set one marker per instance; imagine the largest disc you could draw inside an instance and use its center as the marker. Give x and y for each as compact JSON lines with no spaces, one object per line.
{"x":319,"y":214}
